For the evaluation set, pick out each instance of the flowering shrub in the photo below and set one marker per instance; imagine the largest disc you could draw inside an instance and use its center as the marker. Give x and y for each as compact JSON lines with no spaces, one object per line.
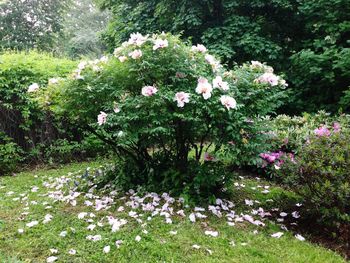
{"x":288,"y":135}
{"x":320,"y":174}
{"x":161,"y":104}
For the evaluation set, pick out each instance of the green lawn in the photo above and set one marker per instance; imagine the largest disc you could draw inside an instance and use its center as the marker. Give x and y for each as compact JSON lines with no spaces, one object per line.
{"x":157,"y":245}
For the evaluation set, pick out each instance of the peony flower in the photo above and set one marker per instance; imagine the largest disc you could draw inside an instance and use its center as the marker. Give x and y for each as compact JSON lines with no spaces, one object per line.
{"x":219,"y":83}
{"x":228,"y":102}
{"x":149,"y":91}
{"x":199,"y":48}
{"x":122,"y":59}
{"x":34,"y":87}
{"x":137,"y":39}
{"x":160,"y":43}
{"x":322,"y":131}
{"x":102,"y":118}
{"x":256,"y":64}
{"x":182,"y":98}
{"x":212,"y":61}
{"x":268,"y":78}
{"x":204,"y":88}
{"x":137,"y":53}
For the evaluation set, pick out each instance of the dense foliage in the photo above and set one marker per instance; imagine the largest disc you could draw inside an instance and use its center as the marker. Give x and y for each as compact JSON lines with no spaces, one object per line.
{"x":320,"y":174}
{"x":162,"y":103}
{"x":26,"y":129}
{"x":306,"y":39}
{"x":31,"y":23}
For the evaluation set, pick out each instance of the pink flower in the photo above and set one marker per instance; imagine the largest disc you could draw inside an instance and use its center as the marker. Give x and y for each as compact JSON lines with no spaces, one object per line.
{"x":160,"y":43}
{"x":268,"y":78}
{"x":208,"y":157}
{"x":212,"y":61}
{"x":219,"y":83}
{"x":122,"y":59}
{"x":182,"y":98}
{"x":204,"y":88}
{"x":199,"y":48}
{"x":336,"y":127}
{"x":34,"y":87}
{"x":137,"y":39}
{"x":228,"y":102}
{"x":136,"y":54}
{"x":322,"y":131}
{"x":102,"y":118}
{"x":149,"y":91}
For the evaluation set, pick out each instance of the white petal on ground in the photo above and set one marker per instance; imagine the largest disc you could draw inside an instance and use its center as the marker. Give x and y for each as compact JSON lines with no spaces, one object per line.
{"x":277,"y":235}
{"x":300,"y":237}
{"x":106,"y":249}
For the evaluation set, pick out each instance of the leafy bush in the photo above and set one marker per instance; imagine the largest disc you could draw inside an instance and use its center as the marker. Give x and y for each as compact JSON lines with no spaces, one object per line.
{"x":161,"y":104}
{"x":320,"y":174}
{"x":287,"y":136}
{"x":10,"y":155}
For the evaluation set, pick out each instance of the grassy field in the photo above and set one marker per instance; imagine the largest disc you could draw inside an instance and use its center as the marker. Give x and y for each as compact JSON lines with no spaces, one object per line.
{"x":179,"y":241}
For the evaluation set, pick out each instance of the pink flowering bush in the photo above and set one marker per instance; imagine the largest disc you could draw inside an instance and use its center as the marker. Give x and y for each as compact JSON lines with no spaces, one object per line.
{"x":163,"y":105}
{"x":320,"y":175}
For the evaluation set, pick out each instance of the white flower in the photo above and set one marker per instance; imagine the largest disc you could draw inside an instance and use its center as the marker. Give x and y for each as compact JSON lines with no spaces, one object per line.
{"x":181,"y":98}
{"x":268,"y":78}
{"x":31,"y":224}
{"x":277,"y":235}
{"x":34,"y":87}
{"x":204,"y":88}
{"x":283,"y":214}
{"x":219,"y":83}
{"x":20,"y":230}
{"x":136,"y":54}
{"x":160,"y":43}
{"x":51,"y":259}
{"x":149,"y":91}
{"x":137,"y":238}
{"x":300,"y":237}
{"x":137,"y":39}
{"x":228,"y":102}
{"x":106,"y":249}
{"x":199,"y":48}
{"x":102,"y":118}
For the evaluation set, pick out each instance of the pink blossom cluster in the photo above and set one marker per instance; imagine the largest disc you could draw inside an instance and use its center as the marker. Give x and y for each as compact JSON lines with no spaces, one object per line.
{"x":323,"y":131}
{"x":276,"y":158}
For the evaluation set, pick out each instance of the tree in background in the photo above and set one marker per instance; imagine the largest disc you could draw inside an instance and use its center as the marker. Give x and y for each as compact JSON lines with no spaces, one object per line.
{"x":82,"y":26}
{"x":308,"y":40}
{"x":26,"y":24}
